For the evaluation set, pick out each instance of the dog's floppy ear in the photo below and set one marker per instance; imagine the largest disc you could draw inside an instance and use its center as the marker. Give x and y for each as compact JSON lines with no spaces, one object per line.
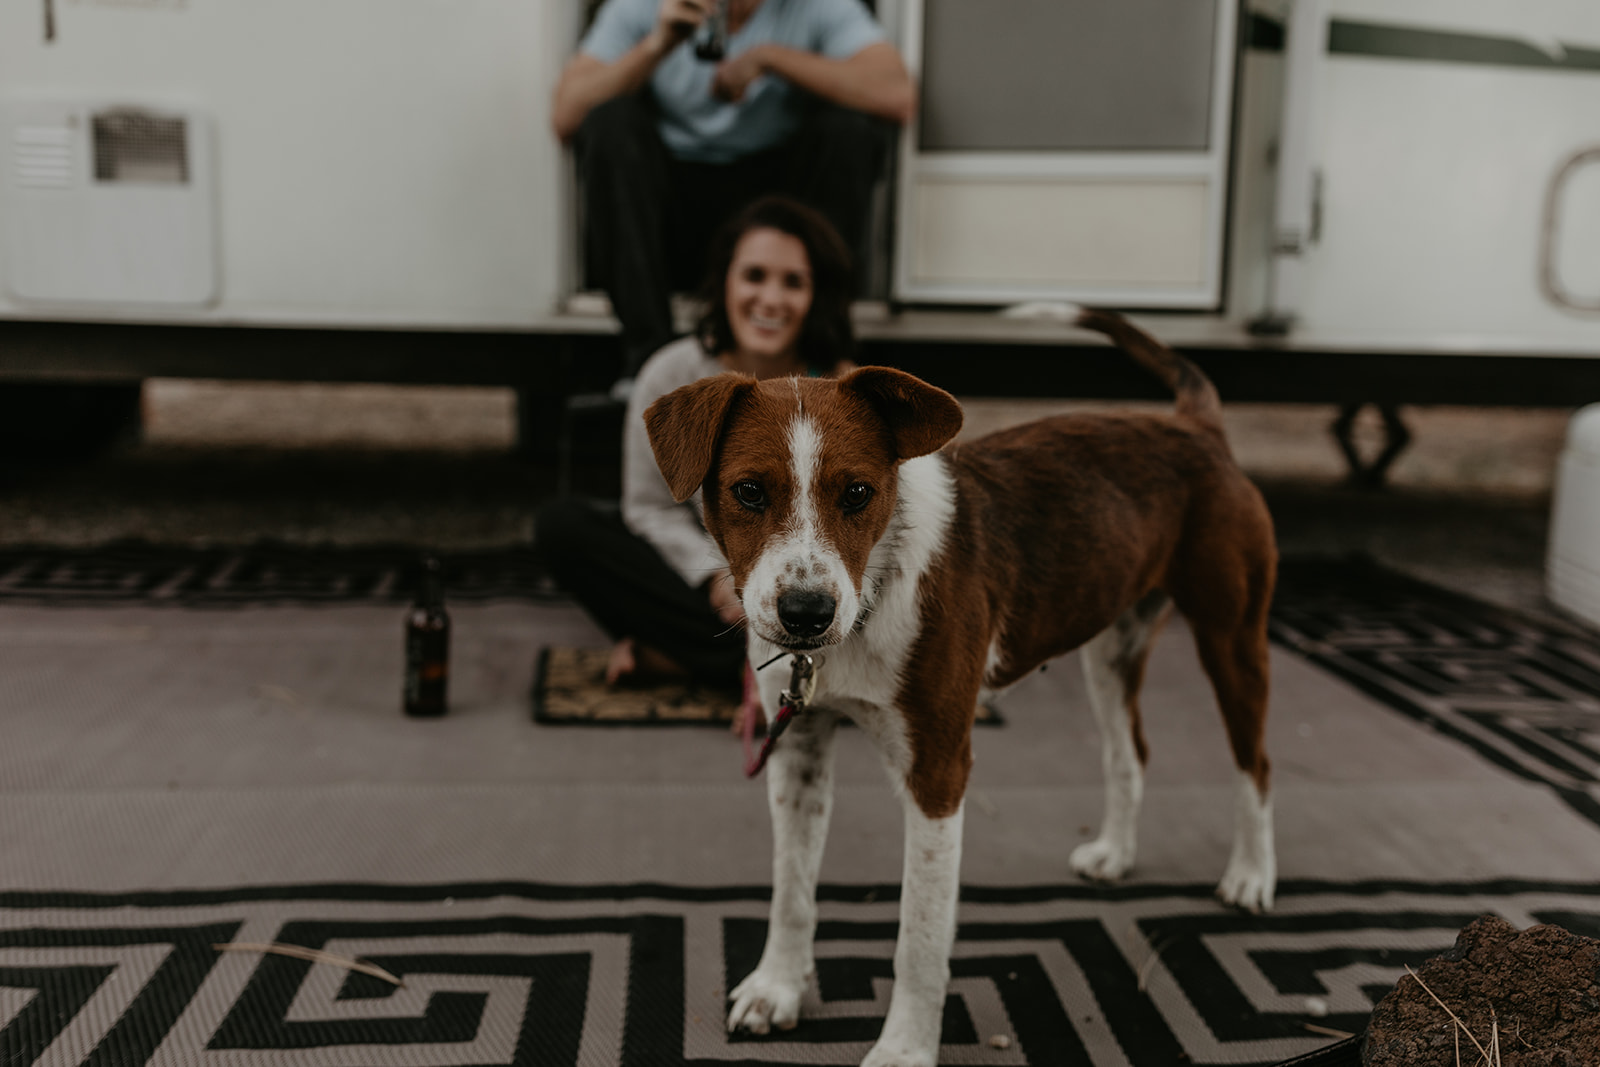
{"x":684,"y":426}
{"x":921,"y":416}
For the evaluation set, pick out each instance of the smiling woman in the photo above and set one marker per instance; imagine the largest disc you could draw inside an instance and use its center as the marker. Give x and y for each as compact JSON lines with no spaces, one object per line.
{"x":778,"y":292}
{"x":777,"y":304}
{"x":768,"y":295}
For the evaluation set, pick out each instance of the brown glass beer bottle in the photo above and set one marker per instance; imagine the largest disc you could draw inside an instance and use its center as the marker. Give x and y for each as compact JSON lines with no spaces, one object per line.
{"x":427,"y":646}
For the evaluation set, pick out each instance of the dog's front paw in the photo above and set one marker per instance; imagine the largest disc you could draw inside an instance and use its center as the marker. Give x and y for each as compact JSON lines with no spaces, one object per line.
{"x":1247,"y":885}
{"x":1102,"y":860}
{"x":764,"y":1001}
{"x":891,"y":1053}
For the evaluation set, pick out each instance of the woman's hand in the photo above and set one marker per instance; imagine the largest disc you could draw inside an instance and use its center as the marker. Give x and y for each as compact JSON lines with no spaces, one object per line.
{"x":724,"y":601}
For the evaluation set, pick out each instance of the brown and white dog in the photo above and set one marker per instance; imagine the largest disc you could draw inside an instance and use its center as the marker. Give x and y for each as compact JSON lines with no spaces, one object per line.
{"x":919,"y":578}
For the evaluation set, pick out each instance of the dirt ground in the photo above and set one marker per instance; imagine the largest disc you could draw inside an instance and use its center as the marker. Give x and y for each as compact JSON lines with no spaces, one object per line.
{"x":1521,"y":999}
{"x":1467,"y":504}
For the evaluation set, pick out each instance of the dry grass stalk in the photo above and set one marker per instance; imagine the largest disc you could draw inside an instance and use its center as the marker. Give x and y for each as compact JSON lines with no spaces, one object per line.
{"x":1327,"y":1031}
{"x":300,"y":952}
{"x":1149,"y":963}
{"x":1461,"y":1027}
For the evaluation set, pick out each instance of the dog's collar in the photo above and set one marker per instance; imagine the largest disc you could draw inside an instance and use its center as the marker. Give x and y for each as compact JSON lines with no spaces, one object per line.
{"x":791,"y":702}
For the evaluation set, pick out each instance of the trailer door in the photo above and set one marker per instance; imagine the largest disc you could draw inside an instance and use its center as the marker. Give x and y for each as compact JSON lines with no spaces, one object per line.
{"x":1066,"y":150}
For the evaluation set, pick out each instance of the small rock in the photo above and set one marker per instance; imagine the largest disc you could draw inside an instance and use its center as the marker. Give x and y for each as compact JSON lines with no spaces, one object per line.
{"x":1000,"y":1041}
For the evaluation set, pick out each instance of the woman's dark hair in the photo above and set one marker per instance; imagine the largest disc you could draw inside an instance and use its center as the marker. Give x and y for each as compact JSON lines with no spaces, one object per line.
{"x":826,"y":336}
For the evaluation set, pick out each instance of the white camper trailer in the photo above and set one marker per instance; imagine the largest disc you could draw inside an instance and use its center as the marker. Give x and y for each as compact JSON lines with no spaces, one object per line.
{"x":1322,"y":199}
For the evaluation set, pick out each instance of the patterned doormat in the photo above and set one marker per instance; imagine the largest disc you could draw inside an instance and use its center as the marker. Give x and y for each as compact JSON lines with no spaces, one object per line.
{"x":633,"y":975}
{"x":569,"y":689}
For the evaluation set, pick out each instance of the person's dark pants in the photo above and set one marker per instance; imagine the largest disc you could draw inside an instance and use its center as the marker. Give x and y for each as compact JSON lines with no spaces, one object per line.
{"x":625,"y":585}
{"x":649,"y":218}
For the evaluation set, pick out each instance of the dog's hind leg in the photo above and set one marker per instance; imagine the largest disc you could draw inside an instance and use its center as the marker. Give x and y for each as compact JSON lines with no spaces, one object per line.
{"x":1113,"y":668}
{"x":800,"y":796}
{"x":1236,"y":660}
{"x":1226,"y":602}
{"x":1222,"y":582}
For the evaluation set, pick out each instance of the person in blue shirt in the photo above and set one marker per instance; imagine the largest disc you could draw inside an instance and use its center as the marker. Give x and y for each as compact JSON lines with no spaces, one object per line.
{"x":669,"y":145}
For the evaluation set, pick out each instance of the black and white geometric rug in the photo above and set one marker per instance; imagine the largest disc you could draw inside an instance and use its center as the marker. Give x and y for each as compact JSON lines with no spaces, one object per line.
{"x":632,"y":974}
{"x":1522,"y":694}
{"x":135,"y":572}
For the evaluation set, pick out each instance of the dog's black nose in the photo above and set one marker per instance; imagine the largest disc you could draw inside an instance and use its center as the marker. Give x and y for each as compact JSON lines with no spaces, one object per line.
{"x":805,"y":614}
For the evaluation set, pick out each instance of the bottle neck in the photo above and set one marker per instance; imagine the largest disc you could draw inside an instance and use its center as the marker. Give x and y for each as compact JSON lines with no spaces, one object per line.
{"x":430,"y":594}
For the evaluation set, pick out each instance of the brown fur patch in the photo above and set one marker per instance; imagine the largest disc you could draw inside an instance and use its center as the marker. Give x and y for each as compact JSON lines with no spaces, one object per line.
{"x":683,"y":428}
{"x":939,"y":702}
{"x":1064,"y":524}
{"x":919,"y":417}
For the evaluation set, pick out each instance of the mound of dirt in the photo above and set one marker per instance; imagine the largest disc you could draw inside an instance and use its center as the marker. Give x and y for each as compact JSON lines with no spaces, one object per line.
{"x":1540,"y":988}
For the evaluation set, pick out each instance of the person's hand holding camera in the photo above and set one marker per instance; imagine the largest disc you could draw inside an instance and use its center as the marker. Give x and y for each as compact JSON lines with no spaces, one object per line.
{"x":677,"y":21}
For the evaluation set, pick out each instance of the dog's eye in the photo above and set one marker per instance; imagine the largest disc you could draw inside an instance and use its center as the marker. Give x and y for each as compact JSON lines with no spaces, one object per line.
{"x":856,"y":496}
{"x":751,"y":495}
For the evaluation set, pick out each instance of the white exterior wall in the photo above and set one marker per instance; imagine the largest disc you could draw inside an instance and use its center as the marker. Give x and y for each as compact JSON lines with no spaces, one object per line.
{"x":379,"y":162}
{"x":1434,"y":177}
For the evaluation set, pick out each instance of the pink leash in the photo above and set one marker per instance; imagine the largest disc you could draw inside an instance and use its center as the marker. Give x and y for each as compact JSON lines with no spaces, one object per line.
{"x":791,"y":702}
{"x":747,"y":724}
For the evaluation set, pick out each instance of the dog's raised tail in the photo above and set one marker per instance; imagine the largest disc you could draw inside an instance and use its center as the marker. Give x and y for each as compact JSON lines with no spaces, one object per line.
{"x":1196,"y":396}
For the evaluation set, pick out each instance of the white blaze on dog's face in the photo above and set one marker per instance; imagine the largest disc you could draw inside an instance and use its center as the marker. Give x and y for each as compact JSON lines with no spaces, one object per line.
{"x":802,"y":493}
{"x":799,"y":479}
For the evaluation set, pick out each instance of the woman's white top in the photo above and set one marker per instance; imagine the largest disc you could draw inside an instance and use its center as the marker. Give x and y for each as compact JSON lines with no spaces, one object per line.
{"x":647,"y":506}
